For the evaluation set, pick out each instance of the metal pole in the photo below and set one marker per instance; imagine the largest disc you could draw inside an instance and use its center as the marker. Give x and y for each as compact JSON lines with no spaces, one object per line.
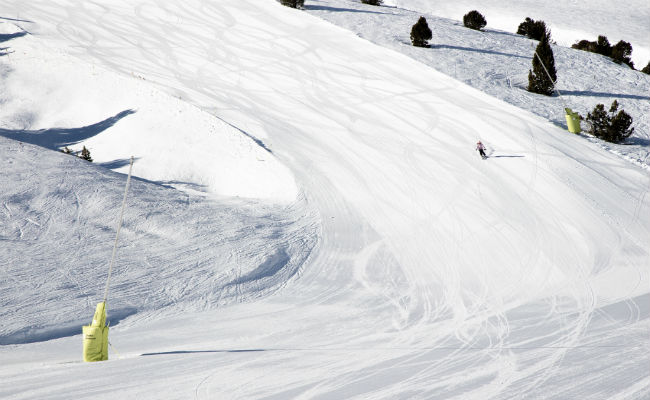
{"x":117,"y":233}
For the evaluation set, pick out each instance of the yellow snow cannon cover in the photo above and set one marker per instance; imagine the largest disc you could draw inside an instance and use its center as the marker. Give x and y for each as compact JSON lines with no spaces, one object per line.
{"x":572,"y":121}
{"x":95,"y":336}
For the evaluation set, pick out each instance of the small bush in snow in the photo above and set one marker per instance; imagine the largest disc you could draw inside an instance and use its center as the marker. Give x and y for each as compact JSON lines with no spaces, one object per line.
{"x":420,"y":33}
{"x":538,"y":78}
{"x":613,"y":127}
{"x":532,"y":29}
{"x":85,"y":154}
{"x":66,"y":150}
{"x":373,"y":2}
{"x":601,"y":46}
{"x":293,"y":3}
{"x":474,"y":20}
{"x":646,"y":69}
{"x":620,"y":52}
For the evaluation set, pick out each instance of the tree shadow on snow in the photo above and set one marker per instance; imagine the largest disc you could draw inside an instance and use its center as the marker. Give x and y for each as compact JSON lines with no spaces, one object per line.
{"x":162,"y":353}
{"x":498,"y":53}
{"x":336,"y":9}
{"x":603,"y":94}
{"x":637,"y":141}
{"x":57,"y":138}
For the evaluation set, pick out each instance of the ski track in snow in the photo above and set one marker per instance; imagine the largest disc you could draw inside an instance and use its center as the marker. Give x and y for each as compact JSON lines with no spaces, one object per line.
{"x":406,"y":268}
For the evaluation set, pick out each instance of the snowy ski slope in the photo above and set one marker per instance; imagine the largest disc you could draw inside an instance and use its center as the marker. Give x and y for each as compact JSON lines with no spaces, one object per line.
{"x":335,"y":236}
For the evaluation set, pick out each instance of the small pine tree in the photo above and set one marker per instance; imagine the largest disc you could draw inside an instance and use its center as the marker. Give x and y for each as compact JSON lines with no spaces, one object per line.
{"x":533,"y":29}
{"x":373,"y":2}
{"x":474,"y":20}
{"x":293,"y":3}
{"x":420,"y":33}
{"x":66,"y":150}
{"x":602,"y":46}
{"x":585,"y":45}
{"x":621,"y":53}
{"x":613,"y":127}
{"x":646,"y":69}
{"x":538,"y":77}
{"x":85,"y":154}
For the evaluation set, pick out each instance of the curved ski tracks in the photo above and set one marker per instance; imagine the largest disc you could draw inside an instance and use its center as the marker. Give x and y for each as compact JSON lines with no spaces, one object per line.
{"x":437,"y":275}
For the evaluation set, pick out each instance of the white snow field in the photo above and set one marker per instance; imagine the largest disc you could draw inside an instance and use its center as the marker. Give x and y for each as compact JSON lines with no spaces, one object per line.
{"x":569,"y":21}
{"x":308,"y":218}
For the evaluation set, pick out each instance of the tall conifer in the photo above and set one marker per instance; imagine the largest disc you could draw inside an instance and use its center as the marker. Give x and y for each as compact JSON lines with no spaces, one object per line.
{"x":538,"y":77}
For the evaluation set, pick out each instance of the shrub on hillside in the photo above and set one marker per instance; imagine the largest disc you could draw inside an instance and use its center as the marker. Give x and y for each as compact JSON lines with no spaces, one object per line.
{"x":293,"y":3}
{"x":646,"y":69}
{"x":474,"y":20}
{"x":542,"y":78}
{"x":532,"y":29}
{"x":585,"y":45}
{"x":613,"y":127}
{"x":420,"y":33}
{"x":373,"y":2}
{"x":85,"y":154}
{"x":621,"y":53}
{"x":600,"y":46}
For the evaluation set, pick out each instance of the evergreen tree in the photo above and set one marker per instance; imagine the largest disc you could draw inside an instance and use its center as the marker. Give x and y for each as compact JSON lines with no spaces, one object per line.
{"x":293,"y":3}
{"x":646,"y":69}
{"x":474,"y":20}
{"x":613,"y":127}
{"x":585,"y":45}
{"x":603,"y":47}
{"x":532,"y":29}
{"x":85,"y":154}
{"x":538,"y":77}
{"x":420,"y":33}
{"x":621,"y":53}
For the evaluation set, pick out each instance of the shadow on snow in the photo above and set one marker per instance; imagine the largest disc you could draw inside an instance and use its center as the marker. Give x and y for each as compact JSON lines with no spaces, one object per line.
{"x":8,"y":36}
{"x":162,"y":353}
{"x":42,"y":334}
{"x":57,"y":138}
{"x":336,"y":9}
{"x":602,"y":94}
{"x":498,"y":53}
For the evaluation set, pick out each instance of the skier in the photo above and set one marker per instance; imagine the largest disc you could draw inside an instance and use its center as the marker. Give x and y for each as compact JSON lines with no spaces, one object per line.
{"x":481,"y":149}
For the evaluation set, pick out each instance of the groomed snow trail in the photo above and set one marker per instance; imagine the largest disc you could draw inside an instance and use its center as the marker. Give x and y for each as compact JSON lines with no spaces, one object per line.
{"x":436,"y":274}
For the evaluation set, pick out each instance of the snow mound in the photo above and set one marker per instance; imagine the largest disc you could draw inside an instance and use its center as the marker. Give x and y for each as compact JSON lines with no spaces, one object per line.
{"x":55,"y":100}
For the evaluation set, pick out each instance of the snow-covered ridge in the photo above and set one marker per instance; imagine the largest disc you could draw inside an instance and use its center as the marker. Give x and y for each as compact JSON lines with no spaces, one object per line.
{"x":55,"y":100}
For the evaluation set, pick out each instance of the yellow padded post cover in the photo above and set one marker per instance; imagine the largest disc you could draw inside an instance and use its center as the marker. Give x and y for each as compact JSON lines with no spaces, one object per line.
{"x":572,"y":121}
{"x":95,"y":336}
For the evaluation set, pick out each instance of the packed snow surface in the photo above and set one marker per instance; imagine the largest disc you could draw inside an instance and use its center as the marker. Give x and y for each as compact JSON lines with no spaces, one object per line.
{"x":309,"y":218}
{"x":569,"y":21}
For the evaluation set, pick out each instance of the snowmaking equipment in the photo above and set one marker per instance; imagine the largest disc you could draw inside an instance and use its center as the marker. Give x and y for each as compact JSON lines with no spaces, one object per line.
{"x":95,"y":335}
{"x":572,"y":120}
